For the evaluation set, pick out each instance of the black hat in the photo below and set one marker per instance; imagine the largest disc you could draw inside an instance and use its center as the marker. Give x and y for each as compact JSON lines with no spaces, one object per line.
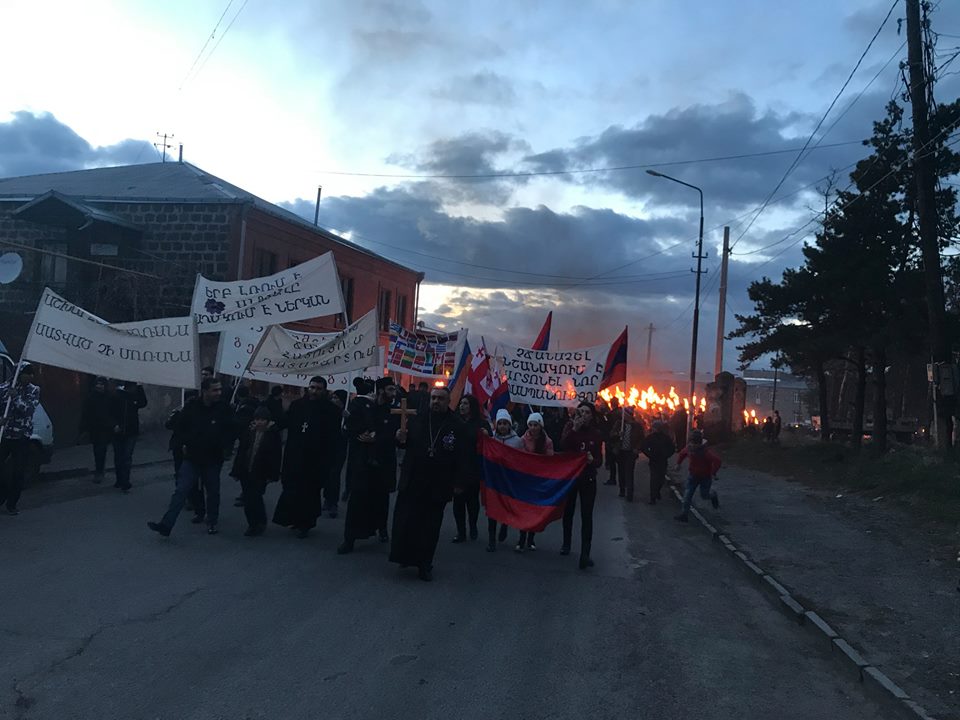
{"x":261,"y":413}
{"x":384,"y":383}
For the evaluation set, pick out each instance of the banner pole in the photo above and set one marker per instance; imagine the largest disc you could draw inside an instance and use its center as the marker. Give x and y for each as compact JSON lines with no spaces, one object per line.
{"x":13,"y":389}
{"x":246,"y":368}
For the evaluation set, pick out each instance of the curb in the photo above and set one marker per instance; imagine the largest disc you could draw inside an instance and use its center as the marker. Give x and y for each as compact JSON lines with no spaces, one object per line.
{"x":875,"y":683}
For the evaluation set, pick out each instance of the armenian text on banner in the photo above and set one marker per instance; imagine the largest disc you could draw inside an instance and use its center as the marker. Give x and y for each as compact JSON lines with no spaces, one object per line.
{"x":355,"y":348}
{"x":309,"y":290}
{"x":153,"y":352}
{"x":236,"y":347}
{"x":525,"y":490}
{"x":424,"y":354}
{"x":557,"y":378}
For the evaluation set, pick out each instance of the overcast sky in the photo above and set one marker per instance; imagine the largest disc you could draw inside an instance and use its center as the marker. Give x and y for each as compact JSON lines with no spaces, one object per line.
{"x":295,"y":93}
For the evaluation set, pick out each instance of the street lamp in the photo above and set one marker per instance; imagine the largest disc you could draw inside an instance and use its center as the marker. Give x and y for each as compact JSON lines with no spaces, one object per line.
{"x":696,"y":298}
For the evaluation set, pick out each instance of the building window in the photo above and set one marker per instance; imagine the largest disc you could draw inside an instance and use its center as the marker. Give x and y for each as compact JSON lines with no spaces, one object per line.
{"x":384,"y":310}
{"x":796,"y":397}
{"x":402,"y":310}
{"x":264,"y":262}
{"x":53,"y":268}
{"x":346,"y":287}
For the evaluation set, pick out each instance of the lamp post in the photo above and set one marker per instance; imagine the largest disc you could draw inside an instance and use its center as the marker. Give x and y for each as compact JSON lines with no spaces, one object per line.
{"x":696,"y":297}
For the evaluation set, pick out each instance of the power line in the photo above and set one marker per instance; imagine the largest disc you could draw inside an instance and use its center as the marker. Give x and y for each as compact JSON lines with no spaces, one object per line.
{"x":220,"y":39}
{"x":209,"y":38}
{"x":836,"y":98}
{"x":615,"y":168}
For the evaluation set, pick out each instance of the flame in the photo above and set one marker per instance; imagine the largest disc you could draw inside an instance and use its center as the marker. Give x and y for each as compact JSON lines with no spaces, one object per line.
{"x":439,"y":383}
{"x":652,"y":400}
{"x":750,"y":417}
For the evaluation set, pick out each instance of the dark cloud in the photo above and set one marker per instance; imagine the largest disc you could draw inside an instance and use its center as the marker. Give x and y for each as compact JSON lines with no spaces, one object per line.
{"x":39,"y":143}
{"x":734,"y":127}
{"x":479,"y":88}
{"x":473,"y":153}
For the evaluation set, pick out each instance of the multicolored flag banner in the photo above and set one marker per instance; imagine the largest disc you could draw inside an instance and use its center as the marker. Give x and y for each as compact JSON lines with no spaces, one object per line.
{"x":524,"y":490}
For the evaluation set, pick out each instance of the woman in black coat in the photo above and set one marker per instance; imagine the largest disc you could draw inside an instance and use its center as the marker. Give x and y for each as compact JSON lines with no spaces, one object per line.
{"x":96,"y":421}
{"x":466,"y":486}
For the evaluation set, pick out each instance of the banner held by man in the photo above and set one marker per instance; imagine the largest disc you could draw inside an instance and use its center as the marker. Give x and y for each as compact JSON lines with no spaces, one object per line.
{"x":423,"y":353}
{"x":355,"y":348}
{"x":153,"y":352}
{"x":309,"y":290}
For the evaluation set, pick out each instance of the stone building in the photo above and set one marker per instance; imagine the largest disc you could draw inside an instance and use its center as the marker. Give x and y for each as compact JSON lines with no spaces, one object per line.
{"x":126,"y":243}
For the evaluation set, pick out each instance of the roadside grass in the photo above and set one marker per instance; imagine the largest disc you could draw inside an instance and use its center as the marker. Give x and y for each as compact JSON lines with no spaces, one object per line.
{"x":917,"y":478}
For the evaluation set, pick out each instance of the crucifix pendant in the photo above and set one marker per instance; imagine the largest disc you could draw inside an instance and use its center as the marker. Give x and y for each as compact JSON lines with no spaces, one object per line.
{"x":430,"y":452}
{"x":303,"y":428}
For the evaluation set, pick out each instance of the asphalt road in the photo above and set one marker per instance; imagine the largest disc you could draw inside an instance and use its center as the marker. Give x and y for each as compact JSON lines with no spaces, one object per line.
{"x":103,"y":619}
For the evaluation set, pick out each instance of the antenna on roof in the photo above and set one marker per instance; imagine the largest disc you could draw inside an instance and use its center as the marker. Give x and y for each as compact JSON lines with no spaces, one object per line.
{"x":163,"y":146}
{"x":316,"y":213}
{"x":180,"y":159}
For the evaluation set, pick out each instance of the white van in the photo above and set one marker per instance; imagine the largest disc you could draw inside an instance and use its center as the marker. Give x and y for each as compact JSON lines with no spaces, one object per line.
{"x":41,"y":450}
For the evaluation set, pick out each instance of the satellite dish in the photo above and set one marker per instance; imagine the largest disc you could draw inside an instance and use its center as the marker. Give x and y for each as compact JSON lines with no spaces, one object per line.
{"x":11,"y":265}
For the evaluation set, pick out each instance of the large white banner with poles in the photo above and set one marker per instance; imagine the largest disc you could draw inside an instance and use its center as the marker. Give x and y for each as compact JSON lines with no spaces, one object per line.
{"x":236,"y":349}
{"x":356,"y":348}
{"x":153,"y":352}
{"x":309,"y":290}
{"x":560,"y":378}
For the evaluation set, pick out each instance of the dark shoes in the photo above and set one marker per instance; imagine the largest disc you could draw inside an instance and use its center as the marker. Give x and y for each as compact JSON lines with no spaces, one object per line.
{"x":621,"y":494}
{"x":97,"y":478}
{"x":12,"y":511}
{"x":565,"y":550}
{"x":503,"y":533}
{"x":384,"y":538}
{"x":345,"y":548}
{"x":473,"y":533}
{"x":425,"y":573}
{"x":491,"y":546}
{"x":158,"y":528}
{"x":585,"y":562}
{"x":715,"y":501}
{"x":212,"y":530}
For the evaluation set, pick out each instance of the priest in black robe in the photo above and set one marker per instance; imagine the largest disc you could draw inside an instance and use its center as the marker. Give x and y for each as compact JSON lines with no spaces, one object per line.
{"x":372,"y":461}
{"x":312,"y":423}
{"x":432,"y":442}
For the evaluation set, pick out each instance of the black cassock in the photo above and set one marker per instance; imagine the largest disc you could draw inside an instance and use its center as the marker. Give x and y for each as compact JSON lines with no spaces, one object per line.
{"x":311,"y":428}
{"x":371,"y":468}
{"x":426,"y":486}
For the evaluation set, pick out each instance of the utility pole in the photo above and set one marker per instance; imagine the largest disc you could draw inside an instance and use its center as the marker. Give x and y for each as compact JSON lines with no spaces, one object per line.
{"x":722,"y":308}
{"x":163,"y":146}
{"x":776,"y":369}
{"x":316,"y":212}
{"x":650,"y":329}
{"x":925,"y":175}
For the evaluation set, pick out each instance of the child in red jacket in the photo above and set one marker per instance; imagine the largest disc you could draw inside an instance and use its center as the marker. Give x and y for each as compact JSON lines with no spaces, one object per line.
{"x":704,"y":464}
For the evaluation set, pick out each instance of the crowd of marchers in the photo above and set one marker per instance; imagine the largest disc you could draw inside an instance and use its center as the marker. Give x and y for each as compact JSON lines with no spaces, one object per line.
{"x":382,"y":440}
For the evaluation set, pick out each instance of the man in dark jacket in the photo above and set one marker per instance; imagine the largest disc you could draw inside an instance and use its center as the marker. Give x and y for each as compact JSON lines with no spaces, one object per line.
{"x":257,"y":463}
{"x":207,"y":428}
{"x":659,"y":448}
{"x":128,"y":399}
{"x":631,"y":440}
{"x":96,"y":422}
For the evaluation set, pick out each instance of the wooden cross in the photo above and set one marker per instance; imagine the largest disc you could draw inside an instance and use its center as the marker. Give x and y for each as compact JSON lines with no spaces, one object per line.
{"x":404,"y":413}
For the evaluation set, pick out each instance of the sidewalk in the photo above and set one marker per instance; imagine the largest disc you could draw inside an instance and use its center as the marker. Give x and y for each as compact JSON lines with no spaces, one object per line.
{"x":77,"y":461}
{"x":884,"y":580}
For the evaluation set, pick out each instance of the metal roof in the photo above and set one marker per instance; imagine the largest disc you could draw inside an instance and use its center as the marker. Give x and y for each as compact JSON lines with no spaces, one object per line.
{"x":53,"y":208}
{"x":158,"y":182}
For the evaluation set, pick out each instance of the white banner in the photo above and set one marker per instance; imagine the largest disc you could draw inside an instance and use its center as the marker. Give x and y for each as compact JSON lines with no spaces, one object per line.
{"x":153,"y":352}
{"x":236,"y":347}
{"x":353,"y":349}
{"x":309,"y":290}
{"x":559,"y":378}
